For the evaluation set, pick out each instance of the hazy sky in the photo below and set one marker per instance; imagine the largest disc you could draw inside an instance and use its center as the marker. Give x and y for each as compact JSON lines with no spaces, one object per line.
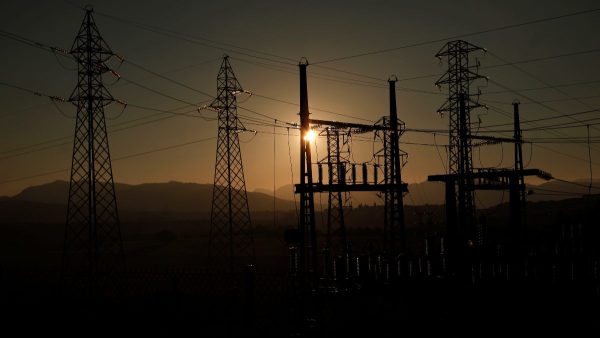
{"x":36,"y":138}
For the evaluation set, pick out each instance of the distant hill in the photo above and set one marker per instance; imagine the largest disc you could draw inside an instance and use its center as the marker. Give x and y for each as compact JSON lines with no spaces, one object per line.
{"x":173,"y":197}
{"x":181,"y":198}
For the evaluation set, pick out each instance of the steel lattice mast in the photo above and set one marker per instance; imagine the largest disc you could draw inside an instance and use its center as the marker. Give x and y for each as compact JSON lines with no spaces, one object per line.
{"x":337,"y":163}
{"x":231,"y":229}
{"x":394,"y":204}
{"x":394,"y":237}
{"x":93,"y":248}
{"x":518,"y":194}
{"x":462,"y":71}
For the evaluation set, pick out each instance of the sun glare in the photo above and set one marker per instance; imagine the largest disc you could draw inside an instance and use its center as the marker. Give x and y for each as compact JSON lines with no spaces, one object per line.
{"x":310,"y":136}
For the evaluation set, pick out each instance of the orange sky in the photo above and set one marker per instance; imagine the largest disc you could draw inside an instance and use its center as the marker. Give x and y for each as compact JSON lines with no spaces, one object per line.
{"x":36,"y":138}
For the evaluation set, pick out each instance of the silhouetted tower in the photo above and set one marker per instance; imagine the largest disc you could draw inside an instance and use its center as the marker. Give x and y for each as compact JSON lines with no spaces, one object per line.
{"x":462,"y":72}
{"x":307,"y":255}
{"x":337,"y":165}
{"x":517,"y":190}
{"x":231,"y":241}
{"x":93,"y":249}
{"x":394,"y":240}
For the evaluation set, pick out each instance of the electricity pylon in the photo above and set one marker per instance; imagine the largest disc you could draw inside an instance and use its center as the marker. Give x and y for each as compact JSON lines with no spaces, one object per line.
{"x":462,"y":72}
{"x":93,"y":248}
{"x":338,"y":162}
{"x":230,"y":239}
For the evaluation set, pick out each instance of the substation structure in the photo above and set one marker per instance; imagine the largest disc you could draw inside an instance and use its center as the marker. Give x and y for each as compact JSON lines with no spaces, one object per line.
{"x":344,"y":177}
{"x":464,"y":237}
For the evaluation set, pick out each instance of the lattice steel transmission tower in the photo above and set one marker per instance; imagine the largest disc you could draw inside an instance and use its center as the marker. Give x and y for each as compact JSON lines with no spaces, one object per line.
{"x":337,"y":162}
{"x":93,"y":248}
{"x":462,"y":72}
{"x":394,"y":240}
{"x":231,"y":240}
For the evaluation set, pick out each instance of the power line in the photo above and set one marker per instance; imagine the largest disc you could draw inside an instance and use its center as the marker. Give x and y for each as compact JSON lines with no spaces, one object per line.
{"x":537,"y":59}
{"x":186,"y":37}
{"x":32,"y":43}
{"x":194,"y":39}
{"x":162,"y":76}
{"x":562,"y":85}
{"x":312,"y":108}
{"x":542,"y":58}
{"x":554,"y":191}
{"x":584,"y":138}
{"x":179,"y":145}
{"x":577,"y":184}
{"x":156,"y":150}
{"x":338,"y":79}
{"x":542,"y":119}
{"x":187,"y":114}
{"x":12,"y":153}
{"x":535,"y":101}
{"x":206,"y":94}
{"x":127,"y":61}
{"x":195,"y":90}
{"x":199,"y":40}
{"x":459,"y":36}
{"x":566,"y":125}
{"x":8,"y":113}
{"x":544,"y":147}
{"x":550,"y":100}
{"x":564,"y":154}
{"x":419,"y":77}
{"x":157,"y":92}
{"x":63,"y":52}
{"x":340,"y":114}
{"x":568,"y":142}
{"x":328,"y":77}
{"x":545,"y":83}
{"x":67,"y":140}
{"x":33,"y":92}
{"x":172,"y":112}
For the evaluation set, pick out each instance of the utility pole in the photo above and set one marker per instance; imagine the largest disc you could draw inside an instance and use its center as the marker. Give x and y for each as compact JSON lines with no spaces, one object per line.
{"x":231,"y":241}
{"x":395,"y":237}
{"x":308,"y":259}
{"x":93,"y":248}
{"x":517,"y":191}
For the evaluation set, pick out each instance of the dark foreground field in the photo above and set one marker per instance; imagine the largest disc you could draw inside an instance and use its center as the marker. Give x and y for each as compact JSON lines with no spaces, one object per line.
{"x":169,"y":287}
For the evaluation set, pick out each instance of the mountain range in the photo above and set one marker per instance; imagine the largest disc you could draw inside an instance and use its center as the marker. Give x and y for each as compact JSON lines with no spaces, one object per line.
{"x":178,"y":197}
{"x":175,"y":197}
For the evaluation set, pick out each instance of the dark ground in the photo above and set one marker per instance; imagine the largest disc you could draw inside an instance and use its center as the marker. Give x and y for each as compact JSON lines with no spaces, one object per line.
{"x":169,"y":290}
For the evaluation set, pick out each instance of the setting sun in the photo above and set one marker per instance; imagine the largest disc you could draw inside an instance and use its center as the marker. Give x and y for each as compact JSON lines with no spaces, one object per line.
{"x":310,"y":136}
